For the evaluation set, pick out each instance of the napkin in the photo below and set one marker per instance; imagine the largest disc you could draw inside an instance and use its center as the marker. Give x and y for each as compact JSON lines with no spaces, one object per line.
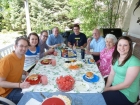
{"x":28,"y":89}
{"x":32,"y":101}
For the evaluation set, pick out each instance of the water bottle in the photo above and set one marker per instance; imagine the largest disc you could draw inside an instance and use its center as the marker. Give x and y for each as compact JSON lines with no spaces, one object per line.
{"x":82,"y":53}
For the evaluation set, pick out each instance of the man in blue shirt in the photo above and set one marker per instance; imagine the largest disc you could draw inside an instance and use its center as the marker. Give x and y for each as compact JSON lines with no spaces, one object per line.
{"x":97,"y":44}
{"x":77,"y":38}
{"x":54,"y":40}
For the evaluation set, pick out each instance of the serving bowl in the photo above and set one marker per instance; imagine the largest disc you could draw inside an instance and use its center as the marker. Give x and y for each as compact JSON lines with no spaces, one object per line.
{"x":63,"y":96}
{"x":65,"y":83}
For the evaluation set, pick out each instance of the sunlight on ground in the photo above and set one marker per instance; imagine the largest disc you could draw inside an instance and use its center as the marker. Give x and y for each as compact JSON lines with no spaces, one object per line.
{"x":8,"y":38}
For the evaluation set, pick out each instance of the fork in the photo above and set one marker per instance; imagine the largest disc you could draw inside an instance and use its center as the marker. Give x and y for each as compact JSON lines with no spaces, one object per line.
{"x":42,"y":95}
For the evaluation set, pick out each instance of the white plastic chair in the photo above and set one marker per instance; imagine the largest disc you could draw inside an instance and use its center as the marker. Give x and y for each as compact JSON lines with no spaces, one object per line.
{"x":6,"y":50}
{"x":133,"y":45}
{"x":137,"y":103}
{"x":6,"y":101}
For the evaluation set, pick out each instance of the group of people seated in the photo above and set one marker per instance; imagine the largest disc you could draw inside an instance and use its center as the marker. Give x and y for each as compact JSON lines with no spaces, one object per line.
{"x":113,"y":57}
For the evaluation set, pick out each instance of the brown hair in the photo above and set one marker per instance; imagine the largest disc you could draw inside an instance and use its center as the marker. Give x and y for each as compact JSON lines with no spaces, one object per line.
{"x":35,"y":34}
{"x":76,"y":25}
{"x":21,"y":38}
{"x":116,"y":54}
{"x":43,"y":32}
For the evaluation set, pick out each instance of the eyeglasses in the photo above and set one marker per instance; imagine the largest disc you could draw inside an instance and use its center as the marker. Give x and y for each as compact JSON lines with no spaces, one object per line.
{"x":45,"y":36}
{"x":21,"y":46}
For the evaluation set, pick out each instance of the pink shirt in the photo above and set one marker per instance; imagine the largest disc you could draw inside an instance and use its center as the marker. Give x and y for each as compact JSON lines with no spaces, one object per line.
{"x":105,"y":61}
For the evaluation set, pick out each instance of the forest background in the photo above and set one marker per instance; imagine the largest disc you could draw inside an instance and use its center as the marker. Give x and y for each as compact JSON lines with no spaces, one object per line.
{"x":45,"y":14}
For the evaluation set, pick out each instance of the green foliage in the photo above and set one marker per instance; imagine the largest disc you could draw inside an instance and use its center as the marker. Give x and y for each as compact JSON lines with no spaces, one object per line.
{"x":44,"y":14}
{"x":94,"y":13}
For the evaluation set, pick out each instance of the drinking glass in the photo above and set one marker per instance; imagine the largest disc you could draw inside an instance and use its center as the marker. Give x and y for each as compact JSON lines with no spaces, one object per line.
{"x":55,"y":53}
{"x":78,"y":100}
{"x":53,"y":62}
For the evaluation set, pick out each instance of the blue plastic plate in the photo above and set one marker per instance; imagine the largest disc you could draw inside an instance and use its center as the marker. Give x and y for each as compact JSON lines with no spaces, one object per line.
{"x":94,"y":79}
{"x":90,"y":62}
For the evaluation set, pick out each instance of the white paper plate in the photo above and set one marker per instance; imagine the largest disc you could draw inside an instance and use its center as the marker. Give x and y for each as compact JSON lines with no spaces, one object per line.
{"x":81,"y":86}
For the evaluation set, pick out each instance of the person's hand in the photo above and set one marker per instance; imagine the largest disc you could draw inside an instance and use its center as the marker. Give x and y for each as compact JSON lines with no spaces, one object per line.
{"x":58,"y":45}
{"x":54,"y":46}
{"x":87,"y":52}
{"x":81,"y":47}
{"x":24,"y":85}
{"x":89,"y":40}
{"x":74,"y":47}
{"x":50,"y":51}
{"x":70,"y":46}
{"x":106,"y":89}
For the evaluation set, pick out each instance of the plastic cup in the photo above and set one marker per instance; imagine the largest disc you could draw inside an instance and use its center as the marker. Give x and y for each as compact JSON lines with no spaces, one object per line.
{"x":53,"y":62}
{"x":78,"y":100}
{"x":55,"y":53}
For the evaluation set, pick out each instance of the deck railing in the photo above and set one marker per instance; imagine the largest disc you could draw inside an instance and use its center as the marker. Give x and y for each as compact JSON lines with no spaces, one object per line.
{"x":6,"y":50}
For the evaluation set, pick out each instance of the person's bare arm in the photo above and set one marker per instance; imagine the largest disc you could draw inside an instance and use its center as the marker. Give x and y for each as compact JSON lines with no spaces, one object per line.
{"x":84,"y":45}
{"x":110,"y":78}
{"x":131,"y":72}
{"x":6,"y":84}
{"x":95,"y":53}
{"x":69,"y":44}
{"x":92,"y":53}
{"x":54,"y":46}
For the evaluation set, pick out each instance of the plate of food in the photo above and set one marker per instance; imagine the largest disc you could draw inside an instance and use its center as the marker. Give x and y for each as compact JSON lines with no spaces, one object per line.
{"x":68,"y":53}
{"x":91,"y":61}
{"x":65,"y":83}
{"x":90,"y":77}
{"x":53,"y":101}
{"x":36,"y":79}
{"x":71,"y":54}
{"x":81,"y":86}
{"x":73,"y":65}
{"x":33,"y":79}
{"x":46,"y":61}
{"x":65,"y":97}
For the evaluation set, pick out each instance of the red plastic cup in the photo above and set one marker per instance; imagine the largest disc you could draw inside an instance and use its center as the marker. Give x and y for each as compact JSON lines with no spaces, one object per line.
{"x":44,"y":80}
{"x":55,"y":53}
{"x":53,"y":62}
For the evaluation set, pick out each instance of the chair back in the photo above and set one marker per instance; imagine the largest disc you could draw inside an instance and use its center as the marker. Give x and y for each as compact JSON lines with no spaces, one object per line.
{"x":133,"y":46}
{"x":6,"y":101}
{"x":6,"y":50}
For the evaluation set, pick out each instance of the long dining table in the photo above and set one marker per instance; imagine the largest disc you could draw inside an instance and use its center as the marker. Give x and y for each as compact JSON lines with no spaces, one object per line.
{"x":89,"y":90}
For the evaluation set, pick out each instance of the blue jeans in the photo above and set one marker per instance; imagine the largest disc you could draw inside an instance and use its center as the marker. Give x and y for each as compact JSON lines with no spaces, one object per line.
{"x":14,"y":96}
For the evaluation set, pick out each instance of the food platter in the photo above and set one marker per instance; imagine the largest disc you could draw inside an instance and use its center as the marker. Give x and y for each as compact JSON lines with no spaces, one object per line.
{"x":73,"y":65}
{"x":63,"y":96}
{"x":91,"y":61}
{"x":65,"y":83}
{"x":68,"y":53}
{"x":81,"y":86}
{"x":94,"y":79}
{"x":33,"y":79}
{"x":53,"y":101}
{"x":46,"y":61}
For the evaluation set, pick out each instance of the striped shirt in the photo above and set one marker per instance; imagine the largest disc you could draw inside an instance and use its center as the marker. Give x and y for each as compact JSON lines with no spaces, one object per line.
{"x":31,"y":58}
